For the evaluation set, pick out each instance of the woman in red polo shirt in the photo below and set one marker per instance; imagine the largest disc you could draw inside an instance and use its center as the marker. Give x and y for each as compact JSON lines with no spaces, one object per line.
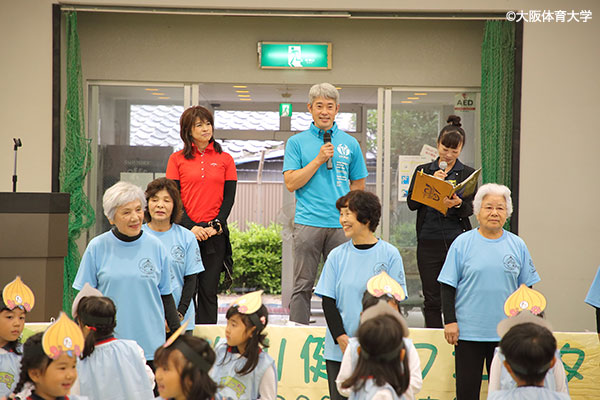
{"x":207,"y":180}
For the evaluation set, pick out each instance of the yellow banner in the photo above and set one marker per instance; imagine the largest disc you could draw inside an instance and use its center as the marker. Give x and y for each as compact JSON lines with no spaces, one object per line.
{"x":298,"y":355}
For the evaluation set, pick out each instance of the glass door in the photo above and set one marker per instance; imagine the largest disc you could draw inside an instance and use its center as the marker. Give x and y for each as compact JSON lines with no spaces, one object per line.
{"x":410,"y":121}
{"x":134,"y":129}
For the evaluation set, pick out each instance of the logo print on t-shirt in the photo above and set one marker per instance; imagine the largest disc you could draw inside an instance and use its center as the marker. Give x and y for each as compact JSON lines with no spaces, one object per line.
{"x":380,"y":267}
{"x":145,"y":265}
{"x":7,"y":379}
{"x":177,"y":252}
{"x":343,"y":150}
{"x":230,"y":382}
{"x":510,"y":264}
{"x":531,"y":267}
{"x":198,"y":256}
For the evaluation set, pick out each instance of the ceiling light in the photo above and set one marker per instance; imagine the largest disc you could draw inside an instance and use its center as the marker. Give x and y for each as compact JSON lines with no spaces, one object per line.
{"x":245,"y":99}
{"x":164,"y":98}
{"x":338,"y":88}
{"x":151,"y":89}
{"x":406,"y":102}
{"x":158,"y":94}
{"x":412,"y":98}
{"x":420,"y":94}
{"x":242,"y":91}
{"x":243,"y":95}
{"x":240,"y":86}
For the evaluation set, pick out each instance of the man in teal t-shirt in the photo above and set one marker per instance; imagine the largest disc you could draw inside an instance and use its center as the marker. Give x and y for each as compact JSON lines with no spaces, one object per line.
{"x":319,"y":172}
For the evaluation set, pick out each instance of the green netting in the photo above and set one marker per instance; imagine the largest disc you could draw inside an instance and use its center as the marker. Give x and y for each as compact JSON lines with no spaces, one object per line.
{"x":497,"y":78}
{"x":76,"y":160}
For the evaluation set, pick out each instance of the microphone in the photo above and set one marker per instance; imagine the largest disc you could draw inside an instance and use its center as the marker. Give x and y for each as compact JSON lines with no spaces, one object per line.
{"x":443,"y":165}
{"x":327,"y":139}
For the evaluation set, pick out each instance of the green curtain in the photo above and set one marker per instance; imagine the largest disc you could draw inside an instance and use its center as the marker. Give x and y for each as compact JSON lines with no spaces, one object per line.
{"x":76,"y":160}
{"x":497,"y":79}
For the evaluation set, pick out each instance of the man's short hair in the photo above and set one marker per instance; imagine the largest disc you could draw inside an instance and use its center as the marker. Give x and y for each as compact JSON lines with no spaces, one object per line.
{"x":529,"y":349}
{"x":326,"y":90}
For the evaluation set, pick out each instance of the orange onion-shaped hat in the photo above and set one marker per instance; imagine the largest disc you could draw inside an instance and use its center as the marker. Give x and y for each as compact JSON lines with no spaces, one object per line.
{"x":18,"y":294}
{"x":524,"y":298}
{"x":63,"y":336}
{"x":383,"y":284}
{"x":248,"y":303}
{"x":186,"y":350}
{"x":86,"y":291}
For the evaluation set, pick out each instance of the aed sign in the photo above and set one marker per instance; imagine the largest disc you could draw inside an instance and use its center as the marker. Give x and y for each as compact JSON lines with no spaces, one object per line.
{"x":278,"y":55}
{"x":464,"y":102}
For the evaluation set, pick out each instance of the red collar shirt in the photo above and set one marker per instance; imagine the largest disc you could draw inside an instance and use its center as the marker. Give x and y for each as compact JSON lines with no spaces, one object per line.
{"x":202,"y":180}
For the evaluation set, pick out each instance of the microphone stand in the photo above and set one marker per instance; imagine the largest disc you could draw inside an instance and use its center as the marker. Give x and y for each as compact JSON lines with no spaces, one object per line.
{"x":18,"y":144}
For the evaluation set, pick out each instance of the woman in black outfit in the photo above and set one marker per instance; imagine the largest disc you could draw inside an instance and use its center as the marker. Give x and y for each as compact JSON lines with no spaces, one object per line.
{"x":436,"y":231}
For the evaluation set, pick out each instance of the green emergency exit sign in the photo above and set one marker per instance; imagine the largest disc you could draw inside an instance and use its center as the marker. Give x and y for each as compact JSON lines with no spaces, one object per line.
{"x":285,"y":109}
{"x":277,"y":55}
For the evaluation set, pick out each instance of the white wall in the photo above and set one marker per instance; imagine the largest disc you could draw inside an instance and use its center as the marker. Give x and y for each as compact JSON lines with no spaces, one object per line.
{"x":191,"y":48}
{"x":559,"y":142}
{"x":26,"y":94}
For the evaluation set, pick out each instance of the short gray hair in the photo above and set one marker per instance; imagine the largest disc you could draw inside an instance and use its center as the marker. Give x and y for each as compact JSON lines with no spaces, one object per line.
{"x":326,"y":90}
{"x":496,"y":190}
{"x":119,"y":194}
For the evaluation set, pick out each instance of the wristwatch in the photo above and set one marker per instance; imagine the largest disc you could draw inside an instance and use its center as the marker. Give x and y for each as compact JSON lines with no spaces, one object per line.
{"x":216,"y":225}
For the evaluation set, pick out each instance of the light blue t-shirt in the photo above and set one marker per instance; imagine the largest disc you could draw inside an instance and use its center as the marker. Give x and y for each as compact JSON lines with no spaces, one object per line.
{"x":528,"y":393}
{"x":507,"y":382}
{"x":593,"y":296}
{"x":370,"y":389}
{"x":344,"y":279}
{"x":134,"y":275}
{"x":485,"y":272}
{"x":10,"y":368}
{"x":184,"y":259}
{"x":115,"y":371}
{"x":315,"y":201}
{"x":233,"y":385}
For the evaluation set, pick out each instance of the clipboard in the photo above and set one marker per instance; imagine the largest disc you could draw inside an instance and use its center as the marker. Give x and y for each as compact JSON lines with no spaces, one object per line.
{"x":431,"y":191}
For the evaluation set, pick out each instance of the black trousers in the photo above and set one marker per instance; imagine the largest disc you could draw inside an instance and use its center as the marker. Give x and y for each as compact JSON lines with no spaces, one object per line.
{"x":333,"y":369}
{"x":212,"y":251}
{"x":468,"y":363}
{"x":431,"y":255}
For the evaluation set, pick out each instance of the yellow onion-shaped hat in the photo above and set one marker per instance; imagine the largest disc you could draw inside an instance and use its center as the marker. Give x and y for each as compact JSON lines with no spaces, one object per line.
{"x":18,"y":294}
{"x":248,"y":303}
{"x":524,"y":298}
{"x":63,"y":336}
{"x":383,"y":284}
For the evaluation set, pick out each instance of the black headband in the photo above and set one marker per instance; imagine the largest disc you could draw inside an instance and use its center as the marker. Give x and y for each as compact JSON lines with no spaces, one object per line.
{"x":191,"y":355}
{"x":389,"y":356}
{"x":524,"y":372}
{"x":255,"y":319}
{"x":92,"y":320}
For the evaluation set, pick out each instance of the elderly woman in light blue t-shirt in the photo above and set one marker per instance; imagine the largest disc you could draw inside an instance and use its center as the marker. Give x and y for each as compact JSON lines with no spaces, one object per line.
{"x":482,"y":268}
{"x":132,"y":268}
{"x":163,"y":213}
{"x":346,"y":272}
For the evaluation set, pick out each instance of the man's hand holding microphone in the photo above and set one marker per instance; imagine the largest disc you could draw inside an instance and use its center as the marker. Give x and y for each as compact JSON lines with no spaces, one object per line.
{"x":326,"y":152}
